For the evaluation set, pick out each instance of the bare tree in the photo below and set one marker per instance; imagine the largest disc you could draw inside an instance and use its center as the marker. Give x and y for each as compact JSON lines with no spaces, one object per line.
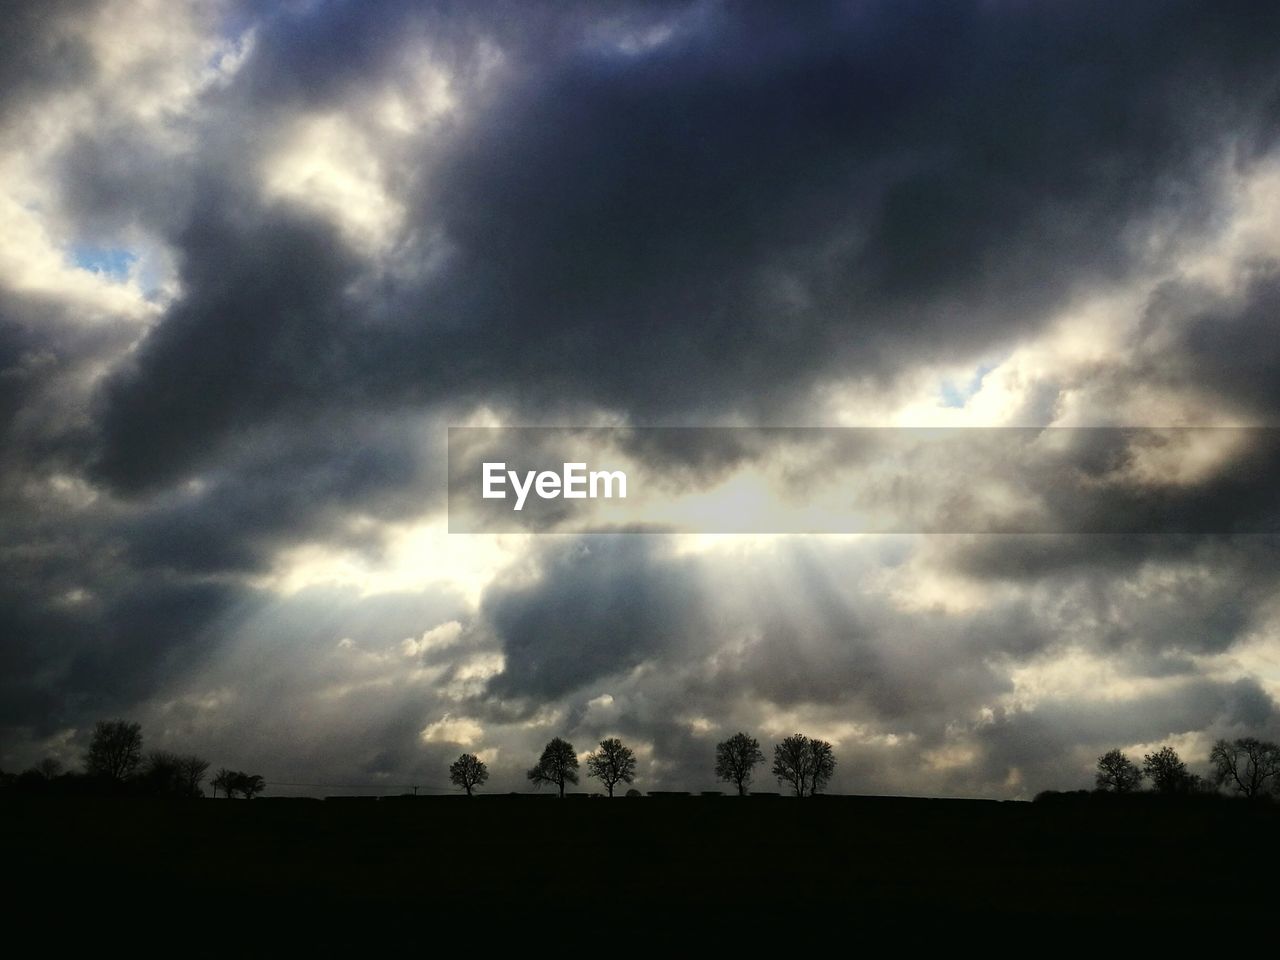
{"x":612,"y":764}
{"x":248,"y":784}
{"x":792,"y":762}
{"x":558,"y":765}
{"x":1167,"y":772}
{"x":224,"y":780}
{"x":735,"y":760}
{"x":1117,"y":773}
{"x":468,"y":772}
{"x":160,"y":772}
{"x":822,"y":763}
{"x":115,"y":750}
{"x":49,"y":767}
{"x":191,"y":771}
{"x":1246,"y":764}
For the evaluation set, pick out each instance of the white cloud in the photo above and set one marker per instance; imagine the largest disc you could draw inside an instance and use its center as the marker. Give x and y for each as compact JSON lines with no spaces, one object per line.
{"x":450,"y":729}
{"x":439,"y":637}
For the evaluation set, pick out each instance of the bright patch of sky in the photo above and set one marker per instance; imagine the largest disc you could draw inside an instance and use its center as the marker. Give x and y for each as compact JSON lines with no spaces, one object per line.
{"x":114,"y":262}
{"x":957,"y":395}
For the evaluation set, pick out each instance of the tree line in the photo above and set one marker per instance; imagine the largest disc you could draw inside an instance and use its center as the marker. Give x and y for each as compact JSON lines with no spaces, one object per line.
{"x":1247,"y":766}
{"x":116,"y":763}
{"x":805,"y":764}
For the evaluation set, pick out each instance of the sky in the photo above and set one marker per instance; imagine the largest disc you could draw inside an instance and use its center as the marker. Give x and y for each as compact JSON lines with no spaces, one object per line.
{"x":256,"y":258}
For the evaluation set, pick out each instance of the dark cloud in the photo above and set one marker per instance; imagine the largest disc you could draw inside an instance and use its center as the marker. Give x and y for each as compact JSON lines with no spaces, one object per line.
{"x":675,"y":213}
{"x":116,"y":178}
{"x":258,"y":334}
{"x":47,"y":352}
{"x":277,"y":489}
{"x":1221,"y":342}
{"x":1139,"y":595}
{"x":710,"y":227}
{"x":39,"y":52}
{"x":73,"y":656}
{"x":767,"y":199}
{"x":1039,"y":744}
{"x":601,"y":606}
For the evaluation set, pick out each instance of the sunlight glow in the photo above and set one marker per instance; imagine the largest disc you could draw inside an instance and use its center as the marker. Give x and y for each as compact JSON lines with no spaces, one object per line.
{"x":416,"y":556}
{"x":331,"y":166}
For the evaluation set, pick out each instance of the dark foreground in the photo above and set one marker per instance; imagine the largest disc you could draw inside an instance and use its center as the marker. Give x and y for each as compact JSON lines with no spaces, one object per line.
{"x":874,"y":860}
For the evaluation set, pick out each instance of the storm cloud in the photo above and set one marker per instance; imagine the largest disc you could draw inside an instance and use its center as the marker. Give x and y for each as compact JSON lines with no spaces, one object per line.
{"x":255,"y":259}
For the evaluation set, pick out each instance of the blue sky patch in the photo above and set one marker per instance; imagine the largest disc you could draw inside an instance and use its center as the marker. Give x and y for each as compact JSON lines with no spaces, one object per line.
{"x":112,"y":261}
{"x":957,"y":395}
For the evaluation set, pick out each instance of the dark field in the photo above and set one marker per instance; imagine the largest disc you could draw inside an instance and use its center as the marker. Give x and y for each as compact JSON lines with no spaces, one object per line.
{"x":876,"y":859}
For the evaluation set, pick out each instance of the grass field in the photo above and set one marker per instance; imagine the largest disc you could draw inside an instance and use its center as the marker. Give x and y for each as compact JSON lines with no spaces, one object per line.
{"x":875,"y":859}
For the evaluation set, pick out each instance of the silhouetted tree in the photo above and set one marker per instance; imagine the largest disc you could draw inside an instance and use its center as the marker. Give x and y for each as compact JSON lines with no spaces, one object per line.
{"x":248,"y":785}
{"x":191,"y":771}
{"x":1167,"y":772}
{"x":792,"y":762}
{"x":160,"y":772}
{"x":49,"y":767}
{"x":172,"y":774}
{"x":224,"y":780}
{"x":1117,"y":773}
{"x":115,"y":749}
{"x":612,"y":764}
{"x":468,"y":772}
{"x":735,"y":759}
{"x":558,"y":765}
{"x":1246,"y":764}
{"x":822,"y":763}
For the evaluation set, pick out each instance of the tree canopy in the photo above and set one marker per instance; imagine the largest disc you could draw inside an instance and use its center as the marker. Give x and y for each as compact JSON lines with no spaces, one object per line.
{"x":231,"y":782}
{"x":468,"y":772}
{"x":1167,"y":772}
{"x":612,"y":764}
{"x":558,"y":765}
{"x":115,"y":750}
{"x":1248,"y":765}
{"x":822,"y":763}
{"x":1117,"y":773}
{"x":804,"y":764}
{"x":736,"y":758}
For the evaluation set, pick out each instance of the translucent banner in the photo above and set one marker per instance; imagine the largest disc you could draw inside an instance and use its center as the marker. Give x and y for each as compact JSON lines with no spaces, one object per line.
{"x":864,"y":480}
